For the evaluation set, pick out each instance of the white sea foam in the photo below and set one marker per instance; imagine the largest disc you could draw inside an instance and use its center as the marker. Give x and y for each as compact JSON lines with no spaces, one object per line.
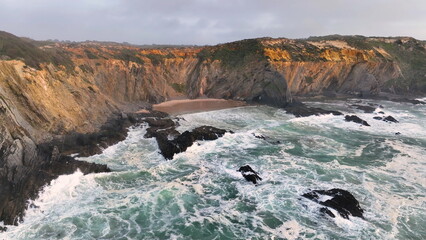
{"x":200,"y":189}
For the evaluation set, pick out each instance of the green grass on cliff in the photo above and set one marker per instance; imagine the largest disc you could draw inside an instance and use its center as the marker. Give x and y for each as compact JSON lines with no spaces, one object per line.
{"x":179,"y":87}
{"x":411,"y":56}
{"x":234,"y":54}
{"x":12,"y":47}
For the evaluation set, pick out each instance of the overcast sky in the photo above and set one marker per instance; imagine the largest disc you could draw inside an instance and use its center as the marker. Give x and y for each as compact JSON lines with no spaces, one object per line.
{"x":209,"y":21}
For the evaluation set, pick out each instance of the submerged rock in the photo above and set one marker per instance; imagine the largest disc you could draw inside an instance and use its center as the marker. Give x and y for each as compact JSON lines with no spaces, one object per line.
{"x":249,"y":174}
{"x":390,"y":119}
{"x":299,"y":109}
{"x":412,"y":101}
{"x":340,"y":200}
{"x":366,"y":109}
{"x":356,"y":119}
{"x":259,"y":136}
{"x":387,"y":119}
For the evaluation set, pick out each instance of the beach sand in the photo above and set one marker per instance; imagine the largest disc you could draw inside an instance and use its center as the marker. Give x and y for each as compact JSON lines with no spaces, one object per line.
{"x":183,"y":106}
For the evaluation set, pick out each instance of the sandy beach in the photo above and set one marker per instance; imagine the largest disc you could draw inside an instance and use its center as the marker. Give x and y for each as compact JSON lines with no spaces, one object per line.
{"x":183,"y":106}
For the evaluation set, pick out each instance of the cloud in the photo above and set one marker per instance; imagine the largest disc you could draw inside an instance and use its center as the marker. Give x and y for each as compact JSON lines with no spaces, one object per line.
{"x":209,"y":21}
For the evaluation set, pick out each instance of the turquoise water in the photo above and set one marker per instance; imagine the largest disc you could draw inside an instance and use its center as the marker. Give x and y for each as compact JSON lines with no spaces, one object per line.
{"x":200,"y":195}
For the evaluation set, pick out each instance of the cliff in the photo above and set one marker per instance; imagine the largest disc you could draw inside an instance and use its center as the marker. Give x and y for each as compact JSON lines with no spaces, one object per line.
{"x":50,"y":90}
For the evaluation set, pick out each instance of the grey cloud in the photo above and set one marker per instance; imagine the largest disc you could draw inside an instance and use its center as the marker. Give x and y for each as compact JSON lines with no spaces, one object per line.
{"x":209,"y":21}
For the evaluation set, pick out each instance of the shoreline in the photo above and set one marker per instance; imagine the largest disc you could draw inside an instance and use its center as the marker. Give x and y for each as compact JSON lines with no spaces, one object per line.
{"x":185,"y":106}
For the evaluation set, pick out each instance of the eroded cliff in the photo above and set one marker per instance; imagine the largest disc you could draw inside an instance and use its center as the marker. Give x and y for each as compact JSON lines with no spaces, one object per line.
{"x":50,"y":90}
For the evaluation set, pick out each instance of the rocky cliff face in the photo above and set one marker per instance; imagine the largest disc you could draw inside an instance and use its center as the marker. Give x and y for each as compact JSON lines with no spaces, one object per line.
{"x":50,"y":90}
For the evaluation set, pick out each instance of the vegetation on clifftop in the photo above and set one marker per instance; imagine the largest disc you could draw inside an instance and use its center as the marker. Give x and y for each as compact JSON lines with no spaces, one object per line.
{"x":12,"y":47}
{"x":234,"y":54}
{"x":411,"y":56}
{"x":408,"y":53}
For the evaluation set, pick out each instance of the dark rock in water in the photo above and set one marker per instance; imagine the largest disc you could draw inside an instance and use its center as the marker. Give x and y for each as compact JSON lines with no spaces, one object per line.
{"x":48,"y":160}
{"x":413,"y":101}
{"x":327,"y":211}
{"x":299,"y":109}
{"x":381,"y":112}
{"x":366,"y":109}
{"x":356,"y":119}
{"x":341,"y":200}
{"x":390,"y":119}
{"x":249,"y":174}
{"x":3,"y":229}
{"x":170,"y":141}
{"x":387,"y":119}
{"x":268,"y":139}
{"x":397,"y":133}
{"x":259,"y":136}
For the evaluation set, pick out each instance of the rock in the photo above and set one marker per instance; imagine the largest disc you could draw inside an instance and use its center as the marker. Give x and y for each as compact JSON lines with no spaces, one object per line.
{"x":37,"y":165}
{"x":413,"y":101}
{"x":259,"y":136}
{"x":327,"y":211}
{"x":341,"y":200}
{"x":249,"y":174}
{"x":366,"y":109}
{"x":356,"y":119}
{"x":397,"y":133}
{"x":171,"y":141}
{"x":390,"y":119}
{"x":381,"y":112}
{"x":299,"y":109}
{"x":3,"y":229}
{"x":387,"y":119}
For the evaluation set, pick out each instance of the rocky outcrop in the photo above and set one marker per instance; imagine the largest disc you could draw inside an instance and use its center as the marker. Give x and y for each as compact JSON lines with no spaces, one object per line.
{"x":249,"y":174}
{"x":388,"y":119}
{"x":171,"y":142}
{"x":356,"y":119}
{"x":27,"y":166}
{"x":341,"y":200}
{"x":299,"y":109}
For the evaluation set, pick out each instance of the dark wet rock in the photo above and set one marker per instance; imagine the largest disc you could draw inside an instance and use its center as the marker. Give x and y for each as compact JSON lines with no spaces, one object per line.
{"x":163,"y":126}
{"x":170,"y":141}
{"x":376,"y":105}
{"x":381,"y":112}
{"x":113,"y":131}
{"x":327,"y":211}
{"x":249,"y":174}
{"x":299,"y":109}
{"x":390,"y":119}
{"x":413,"y":101}
{"x":3,"y":229}
{"x":266,"y":138}
{"x":386,"y":119}
{"x":47,"y":161}
{"x":259,"y":136}
{"x":341,"y":200}
{"x":21,"y":183}
{"x":366,"y":109}
{"x":397,"y":133}
{"x":356,"y":119}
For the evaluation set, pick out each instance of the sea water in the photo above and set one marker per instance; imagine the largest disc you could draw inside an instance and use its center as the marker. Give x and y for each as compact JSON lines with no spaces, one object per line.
{"x":200,"y":195}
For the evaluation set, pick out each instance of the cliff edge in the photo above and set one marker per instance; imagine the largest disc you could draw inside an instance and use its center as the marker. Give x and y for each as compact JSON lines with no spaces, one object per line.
{"x":52,"y":90}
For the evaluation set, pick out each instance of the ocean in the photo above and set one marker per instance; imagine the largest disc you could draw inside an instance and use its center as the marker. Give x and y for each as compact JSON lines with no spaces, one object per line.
{"x":200,"y":195}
